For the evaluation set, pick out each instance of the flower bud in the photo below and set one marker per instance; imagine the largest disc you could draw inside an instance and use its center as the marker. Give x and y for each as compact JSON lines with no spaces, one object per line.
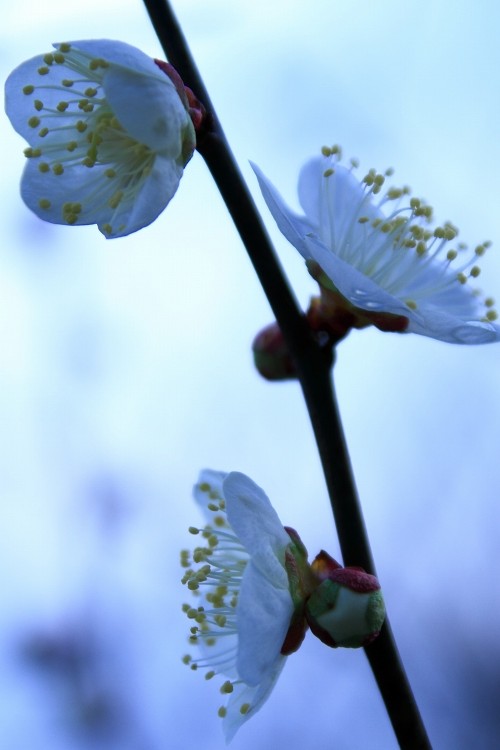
{"x":271,"y":355}
{"x":347,"y":608}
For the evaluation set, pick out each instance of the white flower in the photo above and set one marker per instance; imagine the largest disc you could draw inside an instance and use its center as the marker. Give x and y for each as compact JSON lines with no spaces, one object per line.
{"x":383,"y":260}
{"x":244,"y":607}
{"x":108,"y":133}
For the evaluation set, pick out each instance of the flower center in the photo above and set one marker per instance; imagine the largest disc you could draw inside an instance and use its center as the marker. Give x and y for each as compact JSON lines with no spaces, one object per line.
{"x":397,"y":249}
{"x":213,"y":575}
{"x":81,"y":131}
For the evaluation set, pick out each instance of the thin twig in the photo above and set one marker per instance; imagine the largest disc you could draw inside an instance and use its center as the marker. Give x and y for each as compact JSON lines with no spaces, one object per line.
{"x":313,"y":368}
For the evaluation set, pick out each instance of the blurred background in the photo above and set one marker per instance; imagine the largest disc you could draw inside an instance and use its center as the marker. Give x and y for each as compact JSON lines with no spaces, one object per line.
{"x":126,"y":368}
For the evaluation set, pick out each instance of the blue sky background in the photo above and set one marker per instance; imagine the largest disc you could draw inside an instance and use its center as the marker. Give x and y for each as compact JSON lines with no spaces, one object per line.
{"x":126,"y":367}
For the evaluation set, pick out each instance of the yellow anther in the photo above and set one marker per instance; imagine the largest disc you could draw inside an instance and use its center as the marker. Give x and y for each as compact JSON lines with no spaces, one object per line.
{"x":489,"y":302}
{"x":421,"y":248}
{"x":81,"y":126}
{"x":38,"y":105}
{"x":222,"y":712}
{"x":64,"y":47}
{"x":90,"y":92}
{"x":72,"y":145}
{"x":363,"y":219}
{"x":451,"y":254}
{"x":326,"y":150}
{"x":28,"y":89}
{"x":475,"y":271}
{"x":43,"y":70}
{"x":34,"y":122}
{"x":88,"y":162}
{"x":491,"y":315}
{"x":111,"y":173}
{"x":394,"y":193}
{"x":43,"y":132}
{"x":67,"y":82}
{"x":244,"y":708}
{"x":379,"y":180}
{"x":58,"y":57}
{"x":210,"y":674}
{"x":212,"y":506}
{"x":192,"y":529}
{"x":62,"y":106}
{"x":98,"y":62}
{"x":57,"y":169}
{"x":336,"y":150}
{"x":44,"y":203}
{"x":328,"y":172}
{"x":48,"y":59}
{"x":204,"y":486}
{"x":186,"y":659}
{"x":43,"y":167}
{"x":411,"y":304}
{"x":227,"y":687}
{"x":462,"y":278}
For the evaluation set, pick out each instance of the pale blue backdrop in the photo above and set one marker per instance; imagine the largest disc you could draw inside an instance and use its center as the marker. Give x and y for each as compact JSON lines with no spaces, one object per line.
{"x":126,"y":367}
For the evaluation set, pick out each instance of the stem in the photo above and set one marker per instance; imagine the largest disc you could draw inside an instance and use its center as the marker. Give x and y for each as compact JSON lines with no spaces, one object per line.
{"x":313,"y":367}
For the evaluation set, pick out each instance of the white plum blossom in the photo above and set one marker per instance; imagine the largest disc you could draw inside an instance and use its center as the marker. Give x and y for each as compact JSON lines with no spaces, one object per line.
{"x":375,"y":250}
{"x":244,"y":605}
{"x":109,"y":135}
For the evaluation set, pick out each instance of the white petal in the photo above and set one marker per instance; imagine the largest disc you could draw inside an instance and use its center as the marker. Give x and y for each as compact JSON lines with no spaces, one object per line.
{"x":255,"y":696}
{"x":439,"y":325}
{"x":72,"y":186}
{"x":331,"y":203}
{"x":251,"y":515}
{"x":157,"y":191}
{"x":264,"y":612}
{"x":119,"y":53}
{"x":149,"y":108}
{"x":357,"y":288}
{"x":294,"y":227}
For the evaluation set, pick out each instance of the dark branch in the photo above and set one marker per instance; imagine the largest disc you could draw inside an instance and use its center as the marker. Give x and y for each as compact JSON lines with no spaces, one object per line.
{"x":313,"y":367}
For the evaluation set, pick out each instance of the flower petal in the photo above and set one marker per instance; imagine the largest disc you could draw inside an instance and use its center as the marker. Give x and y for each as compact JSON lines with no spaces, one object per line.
{"x":254,"y":696}
{"x":149,"y":108}
{"x":157,"y":191}
{"x":264,"y":612}
{"x":289,"y":223}
{"x":118,"y":53}
{"x":357,"y":288}
{"x":330,"y":211}
{"x":47,"y":193}
{"x":252,"y":517}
